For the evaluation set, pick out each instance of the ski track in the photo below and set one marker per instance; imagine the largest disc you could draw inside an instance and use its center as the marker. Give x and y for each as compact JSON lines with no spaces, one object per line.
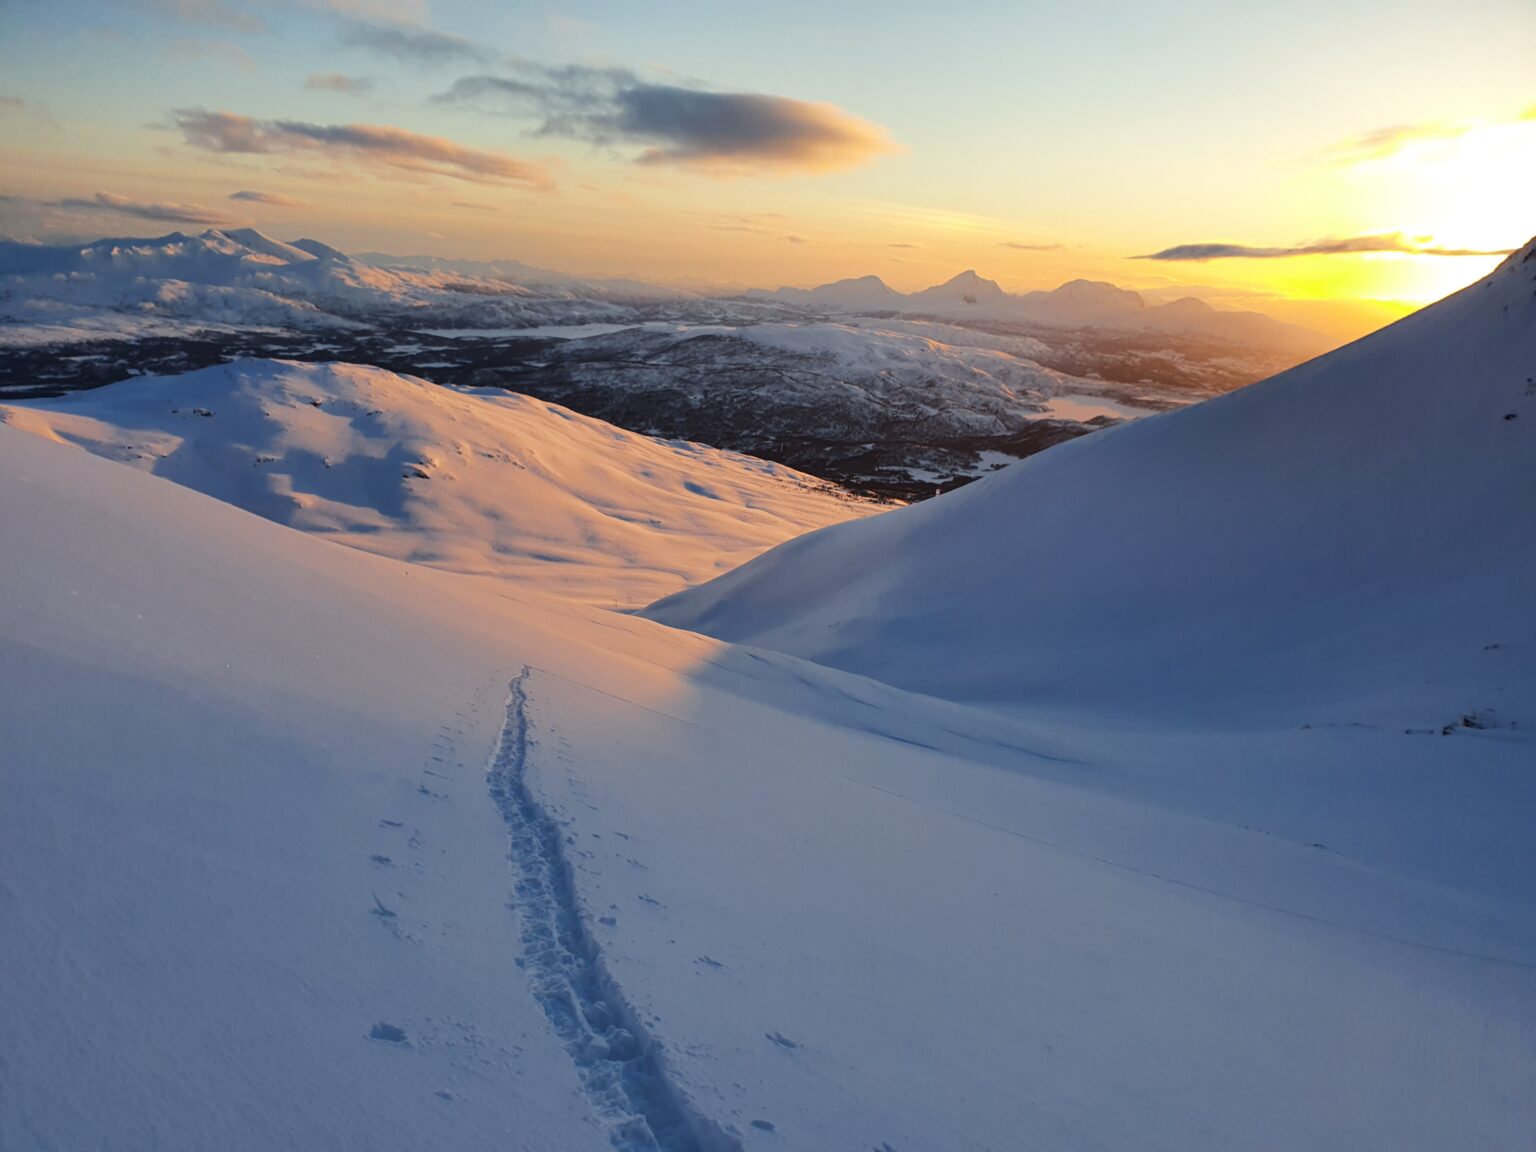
{"x":620,"y":1066}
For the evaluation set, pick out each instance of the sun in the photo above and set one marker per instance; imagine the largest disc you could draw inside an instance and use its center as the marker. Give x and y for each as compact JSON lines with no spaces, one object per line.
{"x":1468,"y":191}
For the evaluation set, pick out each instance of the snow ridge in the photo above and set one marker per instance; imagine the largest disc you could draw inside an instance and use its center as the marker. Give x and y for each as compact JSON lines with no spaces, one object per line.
{"x":619,"y":1064}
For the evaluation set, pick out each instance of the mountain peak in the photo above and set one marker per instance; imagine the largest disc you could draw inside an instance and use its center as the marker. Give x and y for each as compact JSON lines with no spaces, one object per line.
{"x":969,"y":286}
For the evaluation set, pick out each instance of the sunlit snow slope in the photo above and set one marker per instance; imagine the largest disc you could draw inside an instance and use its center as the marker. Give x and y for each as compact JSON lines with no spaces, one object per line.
{"x":475,"y":481}
{"x":306,"y":848}
{"x":1353,"y":541}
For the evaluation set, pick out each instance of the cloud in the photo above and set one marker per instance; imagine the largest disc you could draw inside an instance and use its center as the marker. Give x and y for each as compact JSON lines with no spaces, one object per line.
{"x":1023,"y":247}
{"x":725,"y":133}
{"x":276,"y":199}
{"x":1387,"y":242}
{"x":412,"y":43}
{"x":196,"y":48}
{"x":336,"y":82}
{"x":398,"y":11}
{"x":902,"y":244}
{"x":212,"y":13}
{"x":759,"y":224}
{"x":108,"y":202}
{"x":372,"y":146}
{"x":12,"y":104}
{"x":1383,"y":142}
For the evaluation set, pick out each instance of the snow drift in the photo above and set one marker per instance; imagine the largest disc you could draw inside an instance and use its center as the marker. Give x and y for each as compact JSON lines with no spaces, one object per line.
{"x":1351,"y":540}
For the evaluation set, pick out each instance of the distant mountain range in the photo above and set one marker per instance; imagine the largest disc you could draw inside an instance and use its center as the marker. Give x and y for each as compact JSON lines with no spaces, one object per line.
{"x":242,"y":277}
{"x":1076,"y":304}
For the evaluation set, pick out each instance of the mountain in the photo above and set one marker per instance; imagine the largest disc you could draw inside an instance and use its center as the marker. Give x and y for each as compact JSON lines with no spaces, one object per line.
{"x":1083,"y":303}
{"x":967,"y":288}
{"x":484,"y":482}
{"x":1350,"y":541}
{"x":1075,"y":304}
{"x":243,"y":278}
{"x":863,"y":292}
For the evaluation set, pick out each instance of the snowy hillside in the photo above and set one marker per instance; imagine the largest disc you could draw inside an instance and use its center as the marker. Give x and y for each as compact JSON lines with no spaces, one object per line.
{"x":474,"y":481}
{"x":1352,"y":541}
{"x":306,"y":848}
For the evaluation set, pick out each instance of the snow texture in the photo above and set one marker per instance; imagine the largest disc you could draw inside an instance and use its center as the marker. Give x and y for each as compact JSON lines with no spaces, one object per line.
{"x":481,"y":481}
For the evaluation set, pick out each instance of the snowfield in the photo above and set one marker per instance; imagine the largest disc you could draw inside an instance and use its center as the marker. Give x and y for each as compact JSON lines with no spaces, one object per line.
{"x":1169,"y":790}
{"x":478,"y":481}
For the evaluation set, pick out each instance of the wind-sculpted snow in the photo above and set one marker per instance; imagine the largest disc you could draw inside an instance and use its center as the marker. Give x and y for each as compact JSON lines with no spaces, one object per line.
{"x":483,"y":482}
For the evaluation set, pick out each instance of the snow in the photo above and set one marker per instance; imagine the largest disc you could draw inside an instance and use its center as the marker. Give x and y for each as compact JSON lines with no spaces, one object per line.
{"x":244,"y":278}
{"x":217,"y":723}
{"x":305,"y":847}
{"x":483,"y":481}
{"x":1362,"y":520}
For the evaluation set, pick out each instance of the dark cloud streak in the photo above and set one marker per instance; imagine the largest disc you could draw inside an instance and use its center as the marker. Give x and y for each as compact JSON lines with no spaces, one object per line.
{"x":373,"y":146}
{"x":109,"y":202}
{"x":412,"y":44}
{"x":724,"y":132}
{"x":1389,"y":242}
{"x":276,"y":199}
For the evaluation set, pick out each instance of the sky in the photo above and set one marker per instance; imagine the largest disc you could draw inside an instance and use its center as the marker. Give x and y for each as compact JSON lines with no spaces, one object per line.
{"x":1328,"y":162}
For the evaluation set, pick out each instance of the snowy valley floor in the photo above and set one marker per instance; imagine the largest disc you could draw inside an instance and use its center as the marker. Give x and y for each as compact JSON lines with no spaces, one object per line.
{"x":302,"y":847}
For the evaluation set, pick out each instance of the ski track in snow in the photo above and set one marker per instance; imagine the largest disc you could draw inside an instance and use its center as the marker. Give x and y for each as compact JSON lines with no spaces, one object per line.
{"x":619,"y":1064}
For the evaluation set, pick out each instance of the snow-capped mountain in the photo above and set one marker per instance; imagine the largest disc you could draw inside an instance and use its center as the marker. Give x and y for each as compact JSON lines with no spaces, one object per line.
{"x":870,"y":392}
{"x":1350,"y":541}
{"x":483,"y":482}
{"x":241,"y":277}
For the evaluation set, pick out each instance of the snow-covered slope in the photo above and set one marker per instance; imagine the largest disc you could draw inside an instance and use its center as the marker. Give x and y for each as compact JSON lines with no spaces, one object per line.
{"x":260,"y":890}
{"x":475,"y":481}
{"x":1351,"y":541}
